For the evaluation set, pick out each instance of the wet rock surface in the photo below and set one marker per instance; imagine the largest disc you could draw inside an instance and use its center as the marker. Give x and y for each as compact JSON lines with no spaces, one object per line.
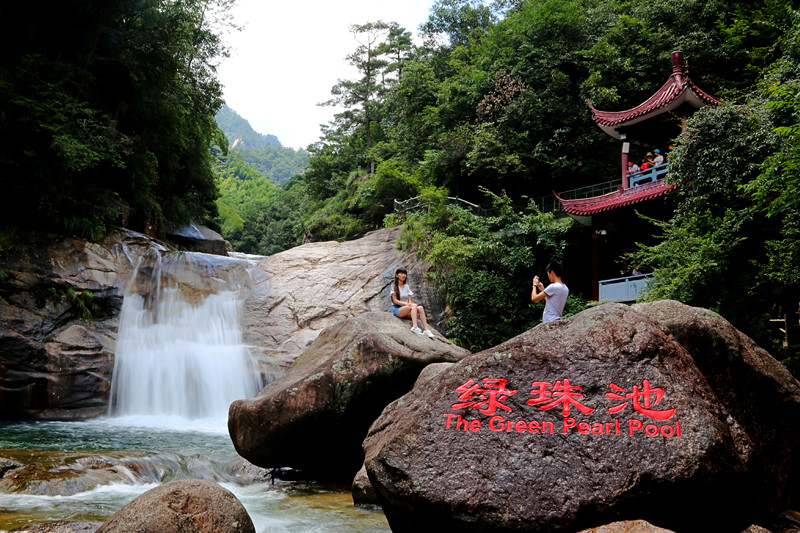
{"x":363,"y":493}
{"x":60,"y":527}
{"x":332,"y":393}
{"x":185,"y":506}
{"x":66,"y":473}
{"x":617,"y":413}
{"x":59,"y":302}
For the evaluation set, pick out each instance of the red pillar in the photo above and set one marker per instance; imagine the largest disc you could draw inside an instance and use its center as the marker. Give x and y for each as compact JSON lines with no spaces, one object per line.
{"x":595,"y":266}
{"x":625,"y":183}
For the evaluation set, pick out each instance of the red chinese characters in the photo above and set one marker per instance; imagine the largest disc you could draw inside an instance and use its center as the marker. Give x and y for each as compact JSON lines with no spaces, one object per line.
{"x":490,"y":394}
{"x":486,"y":398}
{"x":642,"y":400}
{"x":548,"y":395}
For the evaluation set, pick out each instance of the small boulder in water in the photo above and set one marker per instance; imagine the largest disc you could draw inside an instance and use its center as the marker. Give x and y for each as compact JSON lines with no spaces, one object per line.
{"x":363,"y":493}
{"x":184,"y":506}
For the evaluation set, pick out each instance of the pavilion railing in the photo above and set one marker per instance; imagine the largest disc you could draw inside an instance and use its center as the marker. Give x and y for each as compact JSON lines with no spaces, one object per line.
{"x":646,"y":176}
{"x":550,"y":203}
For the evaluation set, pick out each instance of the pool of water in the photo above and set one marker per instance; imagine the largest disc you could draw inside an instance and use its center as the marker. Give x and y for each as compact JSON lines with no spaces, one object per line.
{"x":86,"y":471}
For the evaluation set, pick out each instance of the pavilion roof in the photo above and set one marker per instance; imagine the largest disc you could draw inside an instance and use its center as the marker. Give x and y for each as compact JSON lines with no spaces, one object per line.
{"x":678,"y":90}
{"x":618,"y":198}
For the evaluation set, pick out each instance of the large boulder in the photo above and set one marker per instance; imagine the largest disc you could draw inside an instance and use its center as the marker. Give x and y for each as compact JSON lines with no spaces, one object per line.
{"x":659,"y":412}
{"x":315,"y":417}
{"x":756,"y":389}
{"x":301,"y":291}
{"x":185,"y":506}
{"x":198,"y":238}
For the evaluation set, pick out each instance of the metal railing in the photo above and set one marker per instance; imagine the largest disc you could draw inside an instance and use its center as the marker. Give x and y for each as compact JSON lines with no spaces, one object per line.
{"x":626,"y":289}
{"x":550,"y":203}
{"x":401,"y":207}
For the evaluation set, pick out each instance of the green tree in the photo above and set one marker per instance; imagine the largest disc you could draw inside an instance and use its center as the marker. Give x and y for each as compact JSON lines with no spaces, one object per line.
{"x":715,"y":250}
{"x":97,"y":120}
{"x":361,"y":97}
{"x":459,"y":21}
{"x":273,"y":223}
{"x":398,"y":50}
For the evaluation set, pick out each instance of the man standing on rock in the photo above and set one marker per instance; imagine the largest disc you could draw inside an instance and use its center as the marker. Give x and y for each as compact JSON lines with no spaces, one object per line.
{"x":555,"y":294}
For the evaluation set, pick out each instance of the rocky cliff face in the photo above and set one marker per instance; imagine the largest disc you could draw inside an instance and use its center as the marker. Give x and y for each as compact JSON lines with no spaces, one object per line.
{"x":60,"y":300}
{"x":301,"y":291}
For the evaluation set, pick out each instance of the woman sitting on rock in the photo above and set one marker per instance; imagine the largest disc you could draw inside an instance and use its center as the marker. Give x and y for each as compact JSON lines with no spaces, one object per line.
{"x":402,"y":306}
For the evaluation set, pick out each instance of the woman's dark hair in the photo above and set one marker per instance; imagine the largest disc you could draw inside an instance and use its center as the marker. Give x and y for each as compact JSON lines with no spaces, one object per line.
{"x":396,"y":287}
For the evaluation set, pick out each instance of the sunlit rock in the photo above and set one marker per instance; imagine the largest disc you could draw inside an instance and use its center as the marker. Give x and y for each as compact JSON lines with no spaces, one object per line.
{"x":630,"y":526}
{"x":301,"y":291}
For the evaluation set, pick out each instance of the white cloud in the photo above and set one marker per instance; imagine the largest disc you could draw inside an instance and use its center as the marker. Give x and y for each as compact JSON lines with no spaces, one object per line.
{"x":290,"y":54}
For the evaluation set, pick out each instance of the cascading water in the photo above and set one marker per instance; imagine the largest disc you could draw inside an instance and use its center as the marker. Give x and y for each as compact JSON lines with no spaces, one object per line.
{"x":179,"y":350}
{"x":179,"y":363}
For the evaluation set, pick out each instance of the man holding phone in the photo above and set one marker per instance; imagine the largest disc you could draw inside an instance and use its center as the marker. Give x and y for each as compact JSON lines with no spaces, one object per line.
{"x":555,"y":294}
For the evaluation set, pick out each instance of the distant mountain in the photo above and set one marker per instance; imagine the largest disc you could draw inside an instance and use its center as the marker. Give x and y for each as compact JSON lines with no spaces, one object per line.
{"x":239,"y":132}
{"x":263,"y":153}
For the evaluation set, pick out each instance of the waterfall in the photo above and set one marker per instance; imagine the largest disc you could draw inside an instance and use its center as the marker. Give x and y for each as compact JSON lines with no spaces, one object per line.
{"x":179,"y":352}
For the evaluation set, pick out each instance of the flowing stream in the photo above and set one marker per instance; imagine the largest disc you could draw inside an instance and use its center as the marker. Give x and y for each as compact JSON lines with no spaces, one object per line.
{"x":179,"y":363}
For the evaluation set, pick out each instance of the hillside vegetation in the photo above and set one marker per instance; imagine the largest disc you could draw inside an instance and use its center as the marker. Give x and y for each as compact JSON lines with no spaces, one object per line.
{"x":99,"y":127}
{"x":492,"y":108}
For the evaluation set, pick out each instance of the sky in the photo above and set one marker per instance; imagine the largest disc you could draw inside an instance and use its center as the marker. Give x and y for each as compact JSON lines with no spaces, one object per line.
{"x":289,"y":55}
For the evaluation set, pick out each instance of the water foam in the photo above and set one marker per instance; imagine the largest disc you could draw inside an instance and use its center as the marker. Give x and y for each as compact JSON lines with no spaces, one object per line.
{"x":179,"y":354}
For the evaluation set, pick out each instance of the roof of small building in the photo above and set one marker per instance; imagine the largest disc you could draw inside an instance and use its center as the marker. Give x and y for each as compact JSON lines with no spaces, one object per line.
{"x":678,"y":90}
{"x":618,"y":198}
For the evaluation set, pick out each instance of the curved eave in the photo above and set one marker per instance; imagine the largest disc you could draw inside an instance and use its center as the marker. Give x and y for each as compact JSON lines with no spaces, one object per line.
{"x":613,"y":200}
{"x":677,"y":91}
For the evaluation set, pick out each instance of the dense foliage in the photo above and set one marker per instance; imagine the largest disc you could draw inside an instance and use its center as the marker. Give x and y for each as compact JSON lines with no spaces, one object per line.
{"x":485,"y":262}
{"x":733,"y":245}
{"x":491,"y":107}
{"x":496,"y":99}
{"x":108,"y":113}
